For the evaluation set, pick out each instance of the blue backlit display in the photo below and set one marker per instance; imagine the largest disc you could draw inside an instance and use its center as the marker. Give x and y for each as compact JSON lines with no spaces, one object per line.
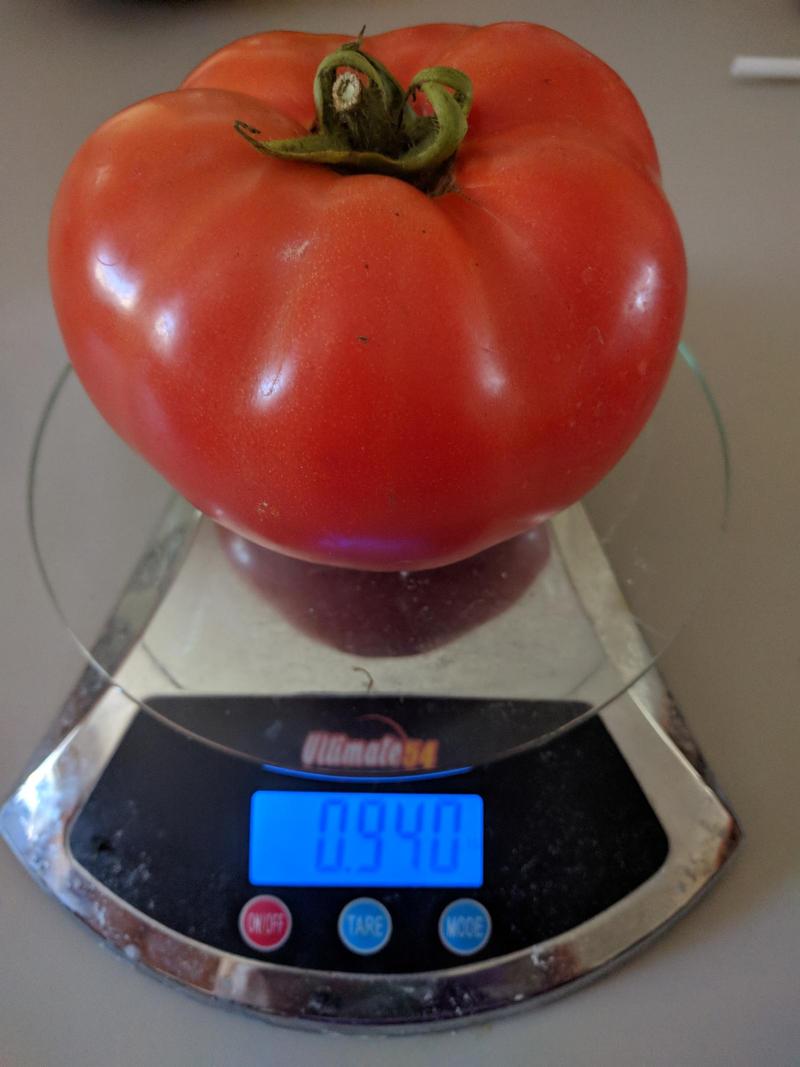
{"x":366,"y":839}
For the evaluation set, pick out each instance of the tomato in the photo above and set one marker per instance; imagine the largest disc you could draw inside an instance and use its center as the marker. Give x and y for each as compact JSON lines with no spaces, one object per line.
{"x":401,"y":613}
{"x":352,"y":367}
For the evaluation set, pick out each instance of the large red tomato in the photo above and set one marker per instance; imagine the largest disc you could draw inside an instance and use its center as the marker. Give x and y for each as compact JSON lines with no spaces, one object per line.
{"x":356,"y":368}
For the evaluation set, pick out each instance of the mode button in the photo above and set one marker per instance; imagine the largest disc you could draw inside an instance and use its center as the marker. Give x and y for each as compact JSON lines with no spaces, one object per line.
{"x":465,"y":926}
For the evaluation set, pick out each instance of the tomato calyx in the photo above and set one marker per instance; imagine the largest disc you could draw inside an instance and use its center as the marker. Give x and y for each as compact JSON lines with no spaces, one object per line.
{"x":365,"y":121}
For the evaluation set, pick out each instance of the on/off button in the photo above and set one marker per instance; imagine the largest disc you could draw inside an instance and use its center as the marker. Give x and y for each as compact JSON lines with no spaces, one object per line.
{"x":265,"y":923}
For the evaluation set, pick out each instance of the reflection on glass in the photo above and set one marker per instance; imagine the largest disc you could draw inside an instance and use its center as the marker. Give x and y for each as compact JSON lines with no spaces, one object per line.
{"x":369,"y":613}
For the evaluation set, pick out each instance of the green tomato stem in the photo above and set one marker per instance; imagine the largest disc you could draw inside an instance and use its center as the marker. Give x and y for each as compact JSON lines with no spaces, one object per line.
{"x":366,"y":123}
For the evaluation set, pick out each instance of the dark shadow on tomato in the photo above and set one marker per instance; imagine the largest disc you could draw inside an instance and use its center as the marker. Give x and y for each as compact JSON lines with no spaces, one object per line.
{"x":369,"y":613}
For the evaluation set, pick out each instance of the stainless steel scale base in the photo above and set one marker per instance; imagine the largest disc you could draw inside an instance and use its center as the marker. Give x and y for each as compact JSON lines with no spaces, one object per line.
{"x":643,"y":721}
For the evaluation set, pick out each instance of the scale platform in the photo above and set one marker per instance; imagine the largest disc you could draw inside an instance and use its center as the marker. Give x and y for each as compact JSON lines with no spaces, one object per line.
{"x":377,"y":802}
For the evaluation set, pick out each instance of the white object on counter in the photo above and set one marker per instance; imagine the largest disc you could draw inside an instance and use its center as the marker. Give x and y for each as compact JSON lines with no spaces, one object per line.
{"x":771,"y":67}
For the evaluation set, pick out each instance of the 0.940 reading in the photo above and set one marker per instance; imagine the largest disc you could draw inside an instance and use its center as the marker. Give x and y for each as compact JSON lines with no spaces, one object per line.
{"x":366,"y":839}
{"x":429,"y":833}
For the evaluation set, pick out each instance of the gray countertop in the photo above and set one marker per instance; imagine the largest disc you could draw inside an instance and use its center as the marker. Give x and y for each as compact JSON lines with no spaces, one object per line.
{"x":721,"y":987}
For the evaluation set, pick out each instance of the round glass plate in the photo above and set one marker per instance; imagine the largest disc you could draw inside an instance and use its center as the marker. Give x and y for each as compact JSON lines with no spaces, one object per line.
{"x":507,"y":649}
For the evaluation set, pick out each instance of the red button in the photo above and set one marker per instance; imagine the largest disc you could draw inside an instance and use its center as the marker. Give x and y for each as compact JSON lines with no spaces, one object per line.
{"x":265,"y":923}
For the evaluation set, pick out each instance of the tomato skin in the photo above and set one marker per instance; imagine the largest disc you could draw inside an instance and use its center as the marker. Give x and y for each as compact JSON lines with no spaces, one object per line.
{"x":342,"y":367}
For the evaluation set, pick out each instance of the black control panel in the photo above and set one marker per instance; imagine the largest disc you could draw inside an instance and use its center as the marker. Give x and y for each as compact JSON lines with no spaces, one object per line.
{"x":567,"y":831}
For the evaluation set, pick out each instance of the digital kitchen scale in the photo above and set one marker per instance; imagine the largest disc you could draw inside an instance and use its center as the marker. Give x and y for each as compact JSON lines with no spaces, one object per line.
{"x":376,"y":802}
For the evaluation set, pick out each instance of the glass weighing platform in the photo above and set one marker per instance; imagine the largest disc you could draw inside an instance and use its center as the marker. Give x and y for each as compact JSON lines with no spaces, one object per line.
{"x":365,"y":801}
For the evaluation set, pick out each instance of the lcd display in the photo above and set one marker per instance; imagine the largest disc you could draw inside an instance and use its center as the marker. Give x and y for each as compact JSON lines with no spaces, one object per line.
{"x":366,"y":839}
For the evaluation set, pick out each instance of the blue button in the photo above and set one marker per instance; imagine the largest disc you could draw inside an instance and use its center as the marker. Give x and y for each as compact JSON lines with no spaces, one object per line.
{"x":365,"y":926}
{"x":465,"y":926}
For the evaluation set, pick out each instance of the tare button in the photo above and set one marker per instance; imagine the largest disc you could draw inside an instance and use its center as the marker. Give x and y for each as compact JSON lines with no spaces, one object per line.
{"x":265,"y":923}
{"x":465,"y":926}
{"x":365,"y":926}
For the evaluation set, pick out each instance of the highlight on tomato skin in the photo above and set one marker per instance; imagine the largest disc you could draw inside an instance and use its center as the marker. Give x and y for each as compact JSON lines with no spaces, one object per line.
{"x":388,"y":370}
{"x":369,"y":613}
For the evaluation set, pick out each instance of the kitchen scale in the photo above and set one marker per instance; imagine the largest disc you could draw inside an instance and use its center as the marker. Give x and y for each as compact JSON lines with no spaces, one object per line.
{"x":374,"y":802}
